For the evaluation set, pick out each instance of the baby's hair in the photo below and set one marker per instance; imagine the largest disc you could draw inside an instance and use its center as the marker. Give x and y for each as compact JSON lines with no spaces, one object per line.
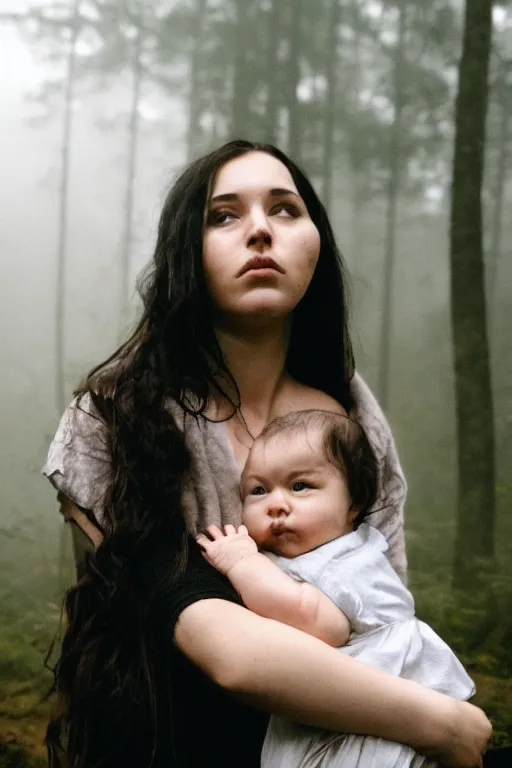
{"x":346,"y":446}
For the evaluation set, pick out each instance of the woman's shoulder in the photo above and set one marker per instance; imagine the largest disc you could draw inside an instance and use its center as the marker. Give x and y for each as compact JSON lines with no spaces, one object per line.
{"x":81,"y":423}
{"x":366,"y":409}
{"x":78,"y":460}
{"x":300,"y":397}
{"x":368,"y":412}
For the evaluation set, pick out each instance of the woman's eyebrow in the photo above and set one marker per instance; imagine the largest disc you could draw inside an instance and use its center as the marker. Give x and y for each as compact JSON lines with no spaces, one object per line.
{"x":278,"y":191}
{"x":275,"y":192}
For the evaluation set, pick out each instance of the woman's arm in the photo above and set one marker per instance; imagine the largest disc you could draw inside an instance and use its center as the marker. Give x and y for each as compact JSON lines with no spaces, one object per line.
{"x":71,"y":512}
{"x":284,"y":671}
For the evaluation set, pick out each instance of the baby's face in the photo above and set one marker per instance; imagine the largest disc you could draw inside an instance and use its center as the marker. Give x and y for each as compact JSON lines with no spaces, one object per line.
{"x":294,"y":499}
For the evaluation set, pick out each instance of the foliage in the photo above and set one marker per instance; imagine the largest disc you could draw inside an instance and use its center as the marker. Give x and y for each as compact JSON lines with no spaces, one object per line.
{"x":30,"y":622}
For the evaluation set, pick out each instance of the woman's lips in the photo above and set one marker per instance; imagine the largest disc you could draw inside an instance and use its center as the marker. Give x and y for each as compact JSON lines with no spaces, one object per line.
{"x":260,"y":263}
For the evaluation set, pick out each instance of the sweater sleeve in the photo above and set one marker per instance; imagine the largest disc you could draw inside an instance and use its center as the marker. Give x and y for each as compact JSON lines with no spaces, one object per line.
{"x":78,"y":462}
{"x":388,"y":513}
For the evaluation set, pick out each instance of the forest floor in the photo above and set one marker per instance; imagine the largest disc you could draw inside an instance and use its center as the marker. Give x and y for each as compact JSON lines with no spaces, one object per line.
{"x":23,"y":720}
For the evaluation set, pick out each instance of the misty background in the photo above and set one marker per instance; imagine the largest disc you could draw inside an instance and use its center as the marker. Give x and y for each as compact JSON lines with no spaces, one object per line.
{"x":102,"y":103}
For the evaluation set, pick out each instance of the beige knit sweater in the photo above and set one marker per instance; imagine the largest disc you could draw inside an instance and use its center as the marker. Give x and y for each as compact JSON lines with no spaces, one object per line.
{"x":78,"y":464}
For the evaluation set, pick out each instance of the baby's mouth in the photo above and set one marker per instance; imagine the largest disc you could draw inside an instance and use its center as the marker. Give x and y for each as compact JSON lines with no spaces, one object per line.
{"x":278,"y":530}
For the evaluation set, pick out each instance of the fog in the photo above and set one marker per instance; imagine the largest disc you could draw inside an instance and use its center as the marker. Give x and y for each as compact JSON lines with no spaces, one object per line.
{"x":35,"y":554}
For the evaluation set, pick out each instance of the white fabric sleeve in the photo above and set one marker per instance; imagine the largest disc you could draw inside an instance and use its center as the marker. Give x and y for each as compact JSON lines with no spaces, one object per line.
{"x":78,"y":462}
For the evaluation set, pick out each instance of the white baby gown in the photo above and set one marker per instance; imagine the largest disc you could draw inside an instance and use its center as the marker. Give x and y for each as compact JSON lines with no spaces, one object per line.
{"x":354,"y":573}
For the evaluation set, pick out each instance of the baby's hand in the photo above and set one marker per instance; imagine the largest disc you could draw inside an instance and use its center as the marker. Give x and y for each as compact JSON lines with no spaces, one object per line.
{"x":225,"y":550}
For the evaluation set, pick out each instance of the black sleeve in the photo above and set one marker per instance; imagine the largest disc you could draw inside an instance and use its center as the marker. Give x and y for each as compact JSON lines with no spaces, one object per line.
{"x":198,"y":704}
{"x":199,"y":582}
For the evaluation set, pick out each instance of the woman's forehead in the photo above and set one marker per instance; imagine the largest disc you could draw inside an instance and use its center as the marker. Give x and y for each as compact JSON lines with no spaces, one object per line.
{"x":252,"y":172}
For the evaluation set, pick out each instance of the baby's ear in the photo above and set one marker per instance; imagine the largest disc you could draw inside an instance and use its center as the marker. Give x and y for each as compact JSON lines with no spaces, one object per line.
{"x":353,"y":515}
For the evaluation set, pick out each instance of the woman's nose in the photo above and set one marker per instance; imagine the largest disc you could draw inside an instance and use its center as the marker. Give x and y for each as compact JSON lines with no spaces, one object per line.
{"x":260,"y":233}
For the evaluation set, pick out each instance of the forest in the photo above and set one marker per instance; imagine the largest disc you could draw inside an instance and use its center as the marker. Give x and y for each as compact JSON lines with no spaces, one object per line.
{"x":400,"y":111}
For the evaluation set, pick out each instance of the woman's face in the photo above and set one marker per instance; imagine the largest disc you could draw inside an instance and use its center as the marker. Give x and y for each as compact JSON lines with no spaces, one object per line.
{"x":260,"y":247}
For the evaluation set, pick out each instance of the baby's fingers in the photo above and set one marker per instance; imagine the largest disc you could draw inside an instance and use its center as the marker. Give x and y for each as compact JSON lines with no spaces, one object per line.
{"x":229,"y":530}
{"x":203,"y":541}
{"x":215,"y":532}
{"x":243,"y":529}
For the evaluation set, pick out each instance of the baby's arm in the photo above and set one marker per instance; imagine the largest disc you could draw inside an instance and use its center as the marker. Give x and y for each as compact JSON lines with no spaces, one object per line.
{"x":269,"y":592}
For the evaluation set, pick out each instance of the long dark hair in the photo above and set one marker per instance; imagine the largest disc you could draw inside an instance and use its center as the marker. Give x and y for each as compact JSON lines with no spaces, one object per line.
{"x":112,"y":677}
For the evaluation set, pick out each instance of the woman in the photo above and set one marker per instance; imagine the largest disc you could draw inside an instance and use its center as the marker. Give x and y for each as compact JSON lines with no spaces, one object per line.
{"x":244,"y":320}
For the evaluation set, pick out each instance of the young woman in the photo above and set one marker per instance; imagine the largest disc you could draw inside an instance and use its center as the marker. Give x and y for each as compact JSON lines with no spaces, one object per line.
{"x":244,"y":320}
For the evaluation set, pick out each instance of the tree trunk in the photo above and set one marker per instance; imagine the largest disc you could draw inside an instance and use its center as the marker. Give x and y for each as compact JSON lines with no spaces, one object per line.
{"x":392,"y":203}
{"x":273,"y":76}
{"x":60,"y":375}
{"x":330,"y":104}
{"x":240,"y":111}
{"x":60,"y":378}
{"x":195,"y":89}
{"x":505,"y":92}
{"x":474,"y":546}
{"x":133,"y":137}
{"x":294,"y":127}
{"x":356,"y":158}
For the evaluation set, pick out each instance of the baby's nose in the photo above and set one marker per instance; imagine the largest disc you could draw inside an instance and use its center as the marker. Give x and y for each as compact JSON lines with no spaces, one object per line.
{"x":278,"y":505}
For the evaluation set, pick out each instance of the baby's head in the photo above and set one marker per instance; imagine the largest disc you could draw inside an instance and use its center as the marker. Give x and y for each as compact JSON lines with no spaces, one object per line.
{"x":310,"y":477}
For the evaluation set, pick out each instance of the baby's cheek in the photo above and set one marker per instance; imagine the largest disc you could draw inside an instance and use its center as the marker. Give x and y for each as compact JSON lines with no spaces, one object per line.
{"x":246,"y":515}
{"x":253,"y":521}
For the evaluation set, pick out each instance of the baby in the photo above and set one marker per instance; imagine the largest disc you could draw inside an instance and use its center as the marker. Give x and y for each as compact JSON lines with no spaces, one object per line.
{"x":305,"y":556}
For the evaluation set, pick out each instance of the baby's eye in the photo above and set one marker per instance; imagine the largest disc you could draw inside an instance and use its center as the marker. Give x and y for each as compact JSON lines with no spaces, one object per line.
{"x":299,"y":485}
{"x":258,"y":490}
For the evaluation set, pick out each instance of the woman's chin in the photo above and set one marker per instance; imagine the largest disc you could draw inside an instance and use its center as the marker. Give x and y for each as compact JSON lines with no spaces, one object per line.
{"x":257,"y":314}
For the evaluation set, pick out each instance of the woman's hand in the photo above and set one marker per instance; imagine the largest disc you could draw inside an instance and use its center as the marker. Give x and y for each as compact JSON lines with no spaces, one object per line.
{"x":467,"y":735}
{"x":225,"y":550}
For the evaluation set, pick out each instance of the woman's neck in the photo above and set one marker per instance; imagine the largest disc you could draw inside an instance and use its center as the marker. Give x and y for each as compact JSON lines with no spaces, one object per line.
{"x":257,"y":364}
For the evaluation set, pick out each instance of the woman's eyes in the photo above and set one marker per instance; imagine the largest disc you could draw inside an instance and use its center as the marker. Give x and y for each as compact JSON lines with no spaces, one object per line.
{"x":287,"y":208}
{"x":220,"y":217}
{"x":282,"y":210}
